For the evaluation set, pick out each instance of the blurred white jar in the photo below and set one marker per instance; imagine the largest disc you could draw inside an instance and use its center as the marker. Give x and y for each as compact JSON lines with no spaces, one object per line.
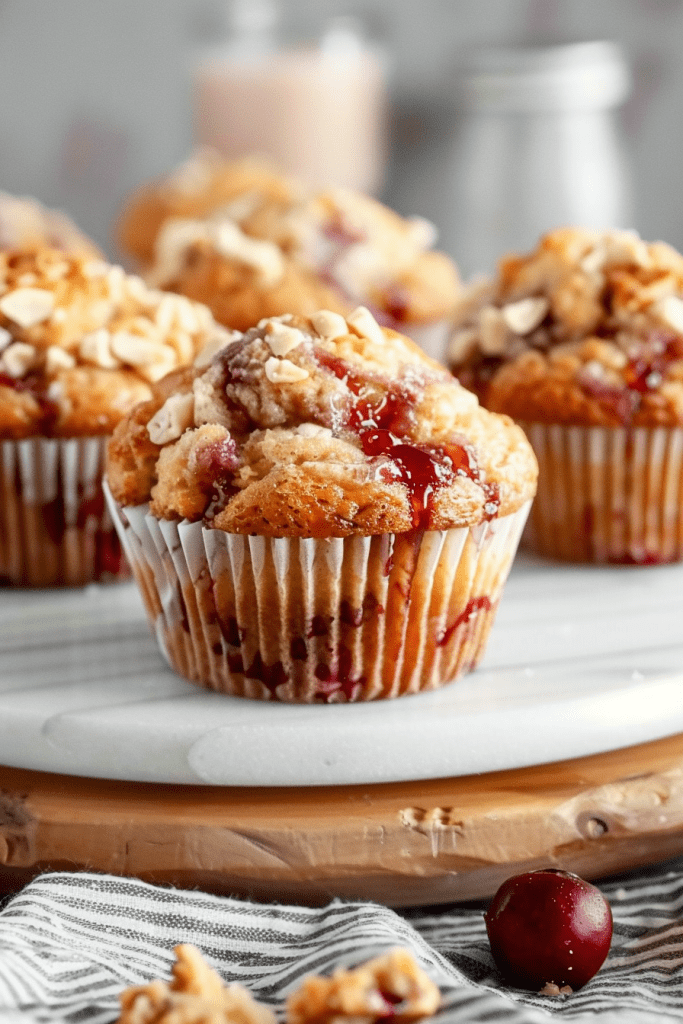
{"x":318,"y":106}
{"x":537,"y":147}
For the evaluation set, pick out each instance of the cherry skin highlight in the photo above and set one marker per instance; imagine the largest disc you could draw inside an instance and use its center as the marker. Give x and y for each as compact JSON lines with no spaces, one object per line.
{"x":548,"y":926}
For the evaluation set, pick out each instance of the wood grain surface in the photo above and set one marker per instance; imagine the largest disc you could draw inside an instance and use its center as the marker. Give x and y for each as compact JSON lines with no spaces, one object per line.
{"x":436,"y":841}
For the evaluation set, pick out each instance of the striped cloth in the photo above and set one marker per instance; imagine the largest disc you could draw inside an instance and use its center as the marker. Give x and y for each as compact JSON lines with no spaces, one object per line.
{"x":69,"y":943}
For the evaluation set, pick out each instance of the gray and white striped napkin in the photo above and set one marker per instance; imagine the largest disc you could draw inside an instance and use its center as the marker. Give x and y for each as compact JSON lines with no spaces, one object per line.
{"x":69,"y":943}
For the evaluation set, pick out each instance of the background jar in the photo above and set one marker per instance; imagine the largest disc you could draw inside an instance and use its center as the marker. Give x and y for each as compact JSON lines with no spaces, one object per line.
{"x":537,"y":146}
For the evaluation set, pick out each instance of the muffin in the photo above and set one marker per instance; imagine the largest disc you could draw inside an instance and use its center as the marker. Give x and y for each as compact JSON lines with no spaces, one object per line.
{"x":581,"y":341}
{"x":335,"y":249}
{"x":319,"y":514}
{"x":25,"y":224}
{"x":201,"y":185}
{"x":81,"y":343}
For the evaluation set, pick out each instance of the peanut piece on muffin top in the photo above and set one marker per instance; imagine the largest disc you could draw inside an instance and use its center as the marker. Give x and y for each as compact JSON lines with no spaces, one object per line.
{"x":81,"y":342}
{"x":586,"y":330}
{"x":205,"y":182}
{"x":315,"y":427}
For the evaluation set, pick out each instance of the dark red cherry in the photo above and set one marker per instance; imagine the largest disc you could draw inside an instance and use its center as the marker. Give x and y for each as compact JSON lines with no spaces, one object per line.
{"x":548,"y":926}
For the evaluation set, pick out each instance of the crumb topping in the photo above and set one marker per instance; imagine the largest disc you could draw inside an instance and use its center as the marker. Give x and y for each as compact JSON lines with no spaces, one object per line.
{"x":365,"y":252}
{"x":179,"y":238}
{"x":586,"y":329}
{"x":195,"y":995}
{"x":206,"y":182}
{"x":81,"y":341}
{"x":354,"y":432}
{"x":390,"y":986}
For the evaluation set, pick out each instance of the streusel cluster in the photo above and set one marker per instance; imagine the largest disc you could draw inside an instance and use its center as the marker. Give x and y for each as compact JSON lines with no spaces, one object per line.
{"x":81,"y":342}
{"x":586,"y":329}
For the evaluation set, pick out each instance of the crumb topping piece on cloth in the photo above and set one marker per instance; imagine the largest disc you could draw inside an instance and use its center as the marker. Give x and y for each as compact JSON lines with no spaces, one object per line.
{"x":195,"y":995}
{"x":391,"y":986}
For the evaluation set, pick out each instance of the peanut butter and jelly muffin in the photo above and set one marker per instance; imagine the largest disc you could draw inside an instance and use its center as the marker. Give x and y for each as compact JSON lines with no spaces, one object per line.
{"x":80,"y":344}
{"x":581,"y":341}
{"x":336,"y":249}
{"x":321,"y":513}
{"x":204,"y":183}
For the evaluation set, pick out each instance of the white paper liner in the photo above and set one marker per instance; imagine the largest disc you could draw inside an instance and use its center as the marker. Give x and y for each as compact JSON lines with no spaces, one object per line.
{"x":55,"y":528}
{"x":305,"y":620}
{"x":607,"y":494}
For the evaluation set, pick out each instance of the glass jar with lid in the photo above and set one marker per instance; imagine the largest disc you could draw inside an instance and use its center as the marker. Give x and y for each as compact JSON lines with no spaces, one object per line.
{"x":537,"y":146}
{"x":309,"y":93}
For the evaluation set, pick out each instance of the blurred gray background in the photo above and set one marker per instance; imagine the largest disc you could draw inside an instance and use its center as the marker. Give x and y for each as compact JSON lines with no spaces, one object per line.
{"x":95,"y":94}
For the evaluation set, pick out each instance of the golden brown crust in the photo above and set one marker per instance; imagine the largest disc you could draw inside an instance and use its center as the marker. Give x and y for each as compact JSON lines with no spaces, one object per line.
{"x":81,"y":342}
{"x":319,"y":427}
{"x":201,"y":185}
{"x":390,"y":986}
{"x":585,"y":330}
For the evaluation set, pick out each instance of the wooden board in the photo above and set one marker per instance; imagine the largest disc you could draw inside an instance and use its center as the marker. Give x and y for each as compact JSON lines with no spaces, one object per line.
{"x":402,"y":844}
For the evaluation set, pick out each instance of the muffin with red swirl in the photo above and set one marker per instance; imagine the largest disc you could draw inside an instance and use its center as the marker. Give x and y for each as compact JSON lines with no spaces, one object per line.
{"x":319,"y":514}
{"x":81,"y":343}
{"x":581,"y":341}
{"x":264,"y":256}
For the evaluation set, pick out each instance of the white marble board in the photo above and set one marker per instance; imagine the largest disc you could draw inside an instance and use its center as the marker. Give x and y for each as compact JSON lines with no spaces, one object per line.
{"x":580,"y":660}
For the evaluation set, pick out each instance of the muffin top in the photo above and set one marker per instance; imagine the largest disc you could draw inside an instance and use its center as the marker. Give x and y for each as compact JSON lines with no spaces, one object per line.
{"x":201,"y":185}
{"x":319,"y":426}
{"x":240,"y":278}
{"x":25,"y":224}
{"x":81,"y":342}
{"x":335,"y":250}
{"x":586,"y":330}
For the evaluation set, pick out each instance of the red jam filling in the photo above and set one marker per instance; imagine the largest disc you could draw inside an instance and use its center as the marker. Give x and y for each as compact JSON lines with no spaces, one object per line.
{"x":334,"y":680}
{"x":218,"y":461}
{"x":391,"y":1001}
{"x":381,"y":418}
{"x":107,"y":553}
{"x":34,"y":385}
{"x":337,"y":229}
{"x":643,"y":373}
{"x":397,"y":304}
{"x":355,"y":617}
{"x":474,"y":605}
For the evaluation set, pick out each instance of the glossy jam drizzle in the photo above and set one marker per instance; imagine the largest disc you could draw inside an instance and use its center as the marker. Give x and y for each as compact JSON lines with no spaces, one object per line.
{"x":644,"y":371}
{"x":381,"y":418}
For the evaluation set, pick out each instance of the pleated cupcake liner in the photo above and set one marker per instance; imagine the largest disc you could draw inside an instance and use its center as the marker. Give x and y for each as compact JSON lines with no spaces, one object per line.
{"x":55,"y":527}
{"x":318,"y":620}
{"x":607,"y":494}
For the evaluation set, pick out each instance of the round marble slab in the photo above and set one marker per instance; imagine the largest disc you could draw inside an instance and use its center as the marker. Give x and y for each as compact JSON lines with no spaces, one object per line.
{"x":581,"y":660}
